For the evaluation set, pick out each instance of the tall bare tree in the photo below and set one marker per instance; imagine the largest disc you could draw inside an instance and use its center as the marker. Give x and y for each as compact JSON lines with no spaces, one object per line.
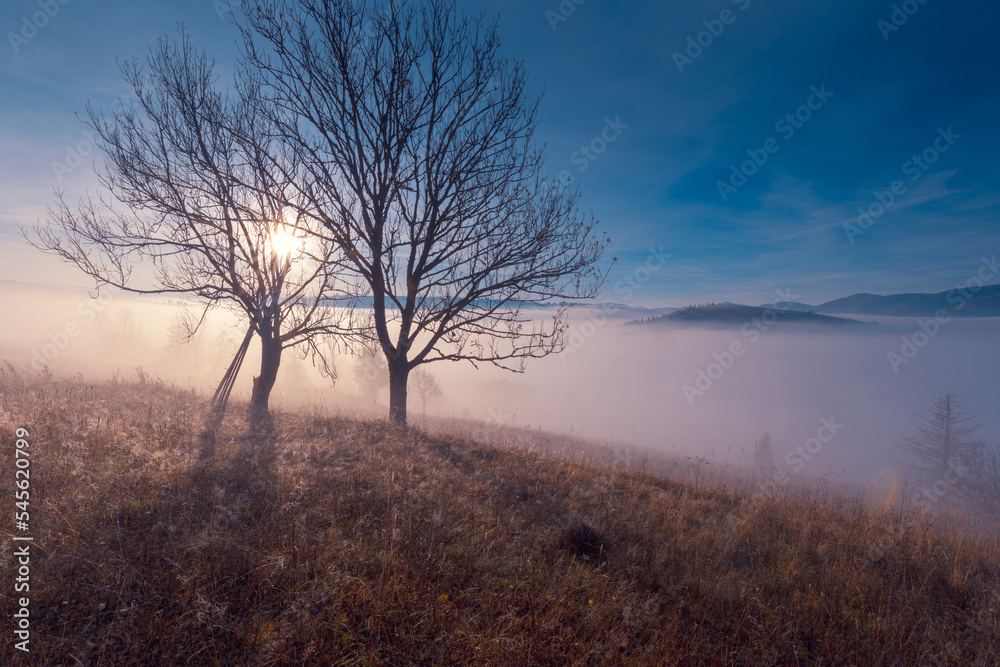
{"x":199,"y":200}
{"x":418,"y":142}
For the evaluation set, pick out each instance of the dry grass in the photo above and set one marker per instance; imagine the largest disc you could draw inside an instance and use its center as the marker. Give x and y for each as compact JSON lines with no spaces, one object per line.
{"x":359,"y":543}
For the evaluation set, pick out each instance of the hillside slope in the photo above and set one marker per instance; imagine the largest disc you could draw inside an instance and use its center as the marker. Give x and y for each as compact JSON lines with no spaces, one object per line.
{"x":355,"y":543}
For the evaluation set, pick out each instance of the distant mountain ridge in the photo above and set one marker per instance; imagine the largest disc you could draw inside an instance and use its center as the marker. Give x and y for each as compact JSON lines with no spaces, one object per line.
{"x":790,"y":305}
{"x":729,"y":315}
{"x":972,"y":302}
{"x":981,"y":302}
{"x":968,"y":302}
{"x":984,"y":302}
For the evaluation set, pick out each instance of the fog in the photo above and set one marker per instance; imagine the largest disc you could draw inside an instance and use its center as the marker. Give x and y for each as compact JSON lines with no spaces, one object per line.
{"x":627,"y":383}
{"x":833,"y":400}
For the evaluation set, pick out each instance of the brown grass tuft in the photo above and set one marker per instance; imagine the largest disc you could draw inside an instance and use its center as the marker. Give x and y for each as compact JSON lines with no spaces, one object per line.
{"x":583,"y":541}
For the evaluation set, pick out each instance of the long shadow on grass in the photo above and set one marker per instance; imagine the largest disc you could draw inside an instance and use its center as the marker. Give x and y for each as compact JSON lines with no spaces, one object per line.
{"x":172,"y":567}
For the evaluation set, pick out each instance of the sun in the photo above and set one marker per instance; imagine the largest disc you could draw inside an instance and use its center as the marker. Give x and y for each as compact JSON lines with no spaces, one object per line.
{"x":284,"y":243}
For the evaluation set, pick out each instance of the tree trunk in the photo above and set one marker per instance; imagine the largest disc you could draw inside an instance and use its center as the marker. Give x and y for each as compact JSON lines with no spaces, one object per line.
{"x":270,"y":360}
{"x":399,"y":372}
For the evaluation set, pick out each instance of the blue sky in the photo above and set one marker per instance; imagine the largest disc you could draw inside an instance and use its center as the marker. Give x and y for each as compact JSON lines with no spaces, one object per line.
{"x":654,"y":183}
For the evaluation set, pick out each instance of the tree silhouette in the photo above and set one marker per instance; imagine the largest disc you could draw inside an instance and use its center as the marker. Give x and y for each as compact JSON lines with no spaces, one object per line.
{"x":185,"y":339}
{"x":426,"y":387}
{"x":416,"y":140}
{"x":983,"y":489}
{"x":943,"y":438}
{"x":200,"y":195}
{"x":370,"y":373}
{"x":763,"y":454}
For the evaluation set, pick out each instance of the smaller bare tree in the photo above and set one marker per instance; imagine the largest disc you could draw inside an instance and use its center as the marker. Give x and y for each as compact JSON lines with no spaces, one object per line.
{"x":943,"y":440}
{"x":983,"y":490}
{"x":371,"y":373}
{"x":185,"y":339}
{"x":426,"y":387}
{"x":763,"y":455}
{"x":120,"y":328}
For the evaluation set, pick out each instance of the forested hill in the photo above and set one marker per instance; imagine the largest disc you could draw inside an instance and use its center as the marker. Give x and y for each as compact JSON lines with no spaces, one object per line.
{"x":728,"y":315}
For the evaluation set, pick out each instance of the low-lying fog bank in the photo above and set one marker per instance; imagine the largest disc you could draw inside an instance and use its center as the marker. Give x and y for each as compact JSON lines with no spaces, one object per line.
{"x":835,"y":401}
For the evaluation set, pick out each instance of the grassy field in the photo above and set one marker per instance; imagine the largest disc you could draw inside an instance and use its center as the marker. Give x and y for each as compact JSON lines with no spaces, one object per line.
{"x":359,"y":543}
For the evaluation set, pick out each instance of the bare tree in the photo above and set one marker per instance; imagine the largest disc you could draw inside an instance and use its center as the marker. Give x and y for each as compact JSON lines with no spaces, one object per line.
{"x":983,"y":488}
{"x":418,"y":142}
{"x":121,"y":331}
{"x":943,"y":439}
{"x":199,"y":200}
{"x":426,"y":387}
{"x":183,"y":331}
{"x":185,"y":345}
{"x":763,"y":455}
{"x":370,"y":373}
